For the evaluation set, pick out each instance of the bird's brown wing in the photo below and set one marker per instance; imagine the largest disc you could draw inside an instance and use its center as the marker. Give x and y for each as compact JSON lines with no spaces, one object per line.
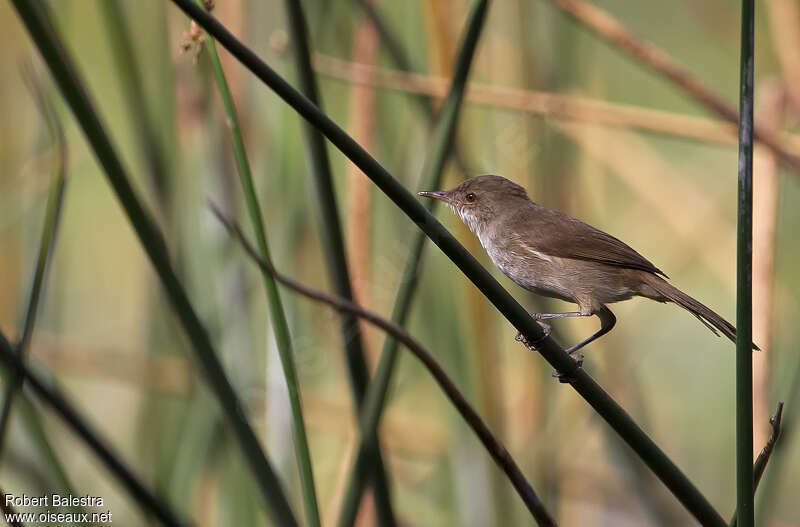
{"x":563,"y":236}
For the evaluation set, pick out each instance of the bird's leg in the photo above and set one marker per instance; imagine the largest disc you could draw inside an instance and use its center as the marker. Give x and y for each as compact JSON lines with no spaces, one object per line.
{"x":539,"y":317}
{"x":545,"y":316}
{"x":607,"y":322}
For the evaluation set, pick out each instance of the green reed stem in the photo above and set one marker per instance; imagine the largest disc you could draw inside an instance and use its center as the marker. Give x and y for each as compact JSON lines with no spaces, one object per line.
{"x":32,"y":421}
{"x":333,"y":244}
{"x":403,"y":62}
{"x":132,"y":86}
{"x":434,"y":167}
{"x":745,"y":513}
{"x":279,"y":323}
{"x":55,"y":200}
{"x":29,"y":415}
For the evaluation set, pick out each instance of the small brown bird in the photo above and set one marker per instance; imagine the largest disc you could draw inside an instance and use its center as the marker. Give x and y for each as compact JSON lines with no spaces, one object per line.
{"x":555,"y":255}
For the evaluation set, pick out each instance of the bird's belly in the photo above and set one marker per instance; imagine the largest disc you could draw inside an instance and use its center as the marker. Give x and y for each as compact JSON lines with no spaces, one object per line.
{"x":543,"y":284}
{"x":589,"y":284}
{"x":536,"y":274}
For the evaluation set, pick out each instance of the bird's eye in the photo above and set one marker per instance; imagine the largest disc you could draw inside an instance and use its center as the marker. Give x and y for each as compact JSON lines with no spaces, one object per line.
{"x":470,"y":197}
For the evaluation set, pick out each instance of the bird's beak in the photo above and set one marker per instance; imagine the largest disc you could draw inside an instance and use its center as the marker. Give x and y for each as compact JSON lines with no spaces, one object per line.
{"x":436,"y":194}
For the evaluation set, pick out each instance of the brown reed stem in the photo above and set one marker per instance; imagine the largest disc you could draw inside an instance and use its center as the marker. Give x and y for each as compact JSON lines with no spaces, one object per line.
{"x":604,"y":25}
{"x":559,"y":106}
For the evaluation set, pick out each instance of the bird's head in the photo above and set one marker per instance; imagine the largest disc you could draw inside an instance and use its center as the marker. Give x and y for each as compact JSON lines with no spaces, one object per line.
{"x":479,"y":200}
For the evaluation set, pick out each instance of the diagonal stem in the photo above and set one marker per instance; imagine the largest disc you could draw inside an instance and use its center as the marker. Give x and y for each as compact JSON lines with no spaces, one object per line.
{"x":396,"y":331}
{"x":563,"y":107}
{"x":9,"y":512}
{"x":603,"y":24}
{"x":766,"y":453}
{"x":55,"y":202}
{"x":56,"y":400}
{"x":30,"y":416}
{"x":131,"y":82}
{"x":779,"y":465}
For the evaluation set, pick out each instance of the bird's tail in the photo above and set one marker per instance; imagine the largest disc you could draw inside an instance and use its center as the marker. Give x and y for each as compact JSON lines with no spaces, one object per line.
{"x":710,"y":319}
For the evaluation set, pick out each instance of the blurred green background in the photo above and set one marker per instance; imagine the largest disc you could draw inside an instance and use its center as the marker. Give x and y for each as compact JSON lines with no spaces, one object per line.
{"x":108,"y":335}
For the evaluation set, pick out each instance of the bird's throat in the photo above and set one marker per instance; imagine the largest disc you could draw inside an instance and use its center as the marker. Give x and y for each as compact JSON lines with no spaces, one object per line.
{"x":476,"y":225}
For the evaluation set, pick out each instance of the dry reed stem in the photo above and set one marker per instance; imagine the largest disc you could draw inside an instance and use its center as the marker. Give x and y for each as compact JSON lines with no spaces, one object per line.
{"x":159,"y":373}
{"x":437,"y":17}
{"x":362,"y":111}
{"x":488,"y":362}
{"x":233,"y":13}
{"x":9,"y":278}
{"x":406,"y":430}
{"x":483,"y":364}
{"x":558,"y":106}
{"x":334,"y":506}
{"x":362,"y":120}
{"x":635,"y":163}
{"x":784,"y":22}
{"x":765,"y":211}
{"x":612,"y":30}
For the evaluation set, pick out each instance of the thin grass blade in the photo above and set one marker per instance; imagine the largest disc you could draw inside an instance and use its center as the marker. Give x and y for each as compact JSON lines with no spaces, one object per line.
{"x":279,"y":323}
{"x":32,"y":421}
{"x":29,"y":415}
{"x":132,"y":86}
{"x":55,"y":200}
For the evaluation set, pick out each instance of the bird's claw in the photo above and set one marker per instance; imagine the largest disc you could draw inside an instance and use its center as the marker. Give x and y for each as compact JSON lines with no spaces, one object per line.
{"x":563,"y":377}
{"x":534,"y":346}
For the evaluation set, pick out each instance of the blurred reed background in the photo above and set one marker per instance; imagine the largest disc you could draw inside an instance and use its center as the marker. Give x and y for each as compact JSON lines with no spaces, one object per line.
{"x":586,"y":127}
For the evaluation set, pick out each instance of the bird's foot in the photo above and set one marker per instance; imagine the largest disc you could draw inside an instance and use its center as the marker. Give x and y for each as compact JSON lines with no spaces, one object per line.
{"x":534,"y":346}
{"x":563,"y":377}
